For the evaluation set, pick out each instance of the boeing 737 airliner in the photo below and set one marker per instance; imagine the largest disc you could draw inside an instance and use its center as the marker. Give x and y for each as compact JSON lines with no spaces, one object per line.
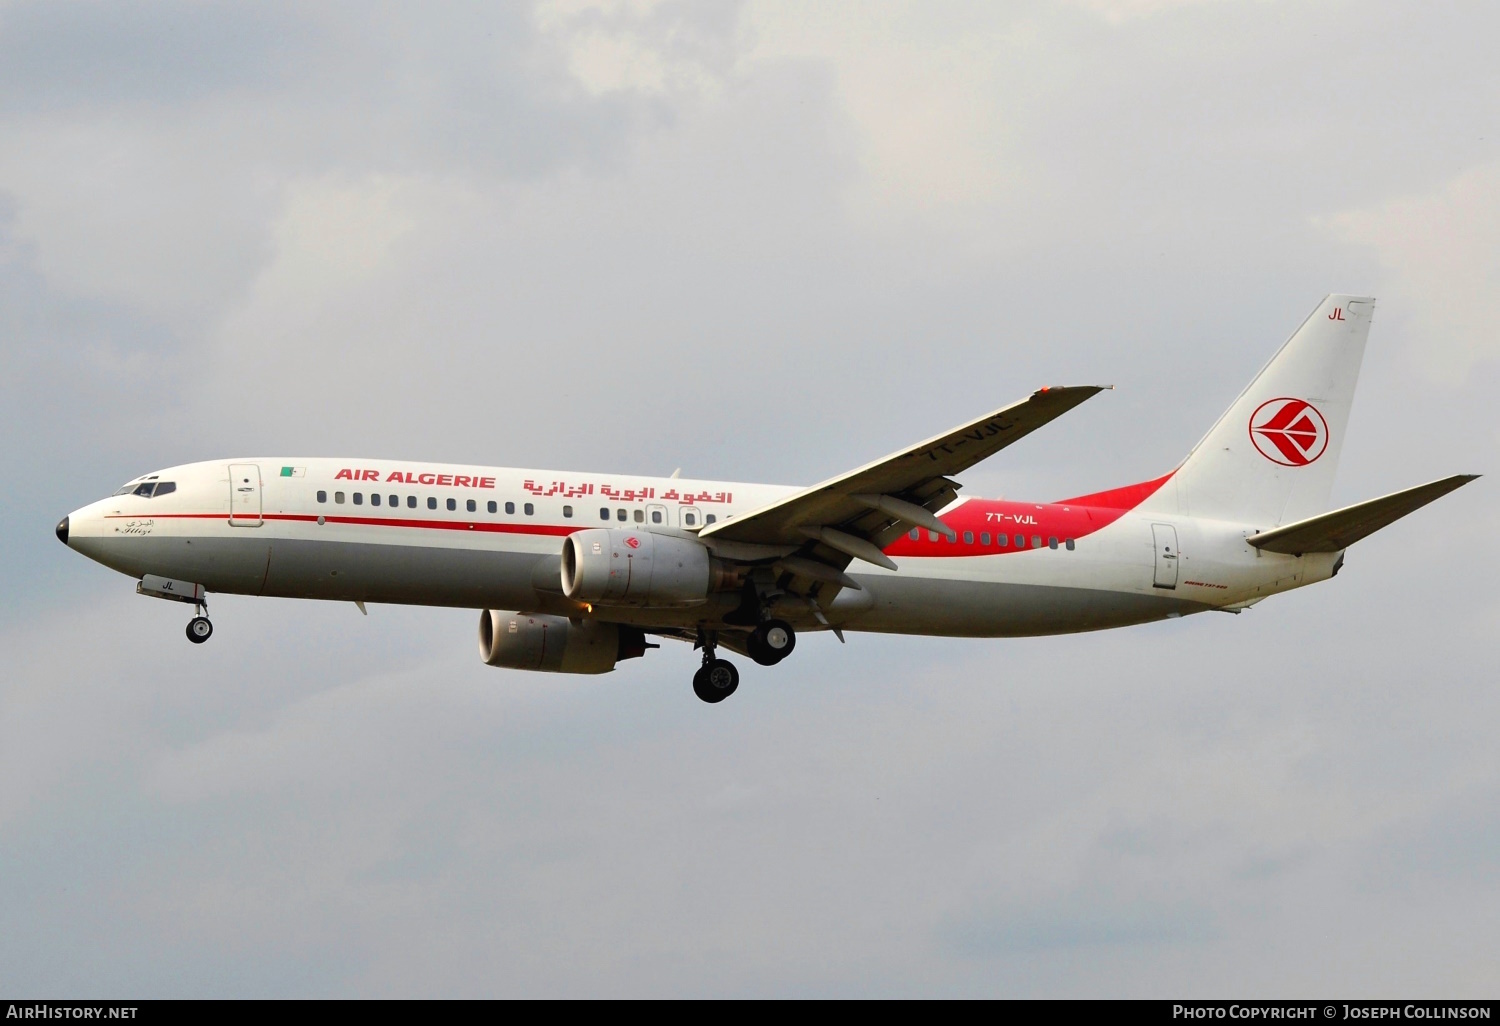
{"x":574,"y":571}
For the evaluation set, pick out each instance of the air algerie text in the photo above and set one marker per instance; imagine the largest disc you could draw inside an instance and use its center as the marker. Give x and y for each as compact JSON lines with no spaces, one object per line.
{"x":407,"y":477}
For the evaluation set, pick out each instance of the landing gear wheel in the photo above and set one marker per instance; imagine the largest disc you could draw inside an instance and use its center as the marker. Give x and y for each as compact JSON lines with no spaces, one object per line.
{"x":716,"y":681}
{"x":199,"y":630}
{"x":771,"y":642}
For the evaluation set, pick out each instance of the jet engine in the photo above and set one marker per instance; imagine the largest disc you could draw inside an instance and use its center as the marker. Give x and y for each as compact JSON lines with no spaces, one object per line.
{"x":636,"y":568}
{"x":536,"y":641}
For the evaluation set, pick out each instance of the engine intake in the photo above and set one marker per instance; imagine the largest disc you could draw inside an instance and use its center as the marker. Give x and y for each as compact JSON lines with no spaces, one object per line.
{"x":635,"y":568}
{"x":555,"y":644}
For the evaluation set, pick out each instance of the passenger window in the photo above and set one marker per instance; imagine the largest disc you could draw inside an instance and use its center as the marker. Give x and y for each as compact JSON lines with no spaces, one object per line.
{"x":431,"y":502}
{"x":452,"y":505}
{"x":359,"y":498}
{"x":656,"y":516}
{"x":567,"y":512}
{"x":709,"y":518}
{"x":689,"y":519}
{"x":492,"y":507}
{"x":164,"y":488}
{"x":1051,"y":543}
{"x":968,"y":537}
{"x":510,"y":507}
{"x":1002,"y":540}
{"x":984,"y":537}
{"x":374,"y":500}
{"x":603,"y":512}
{"x":620,"y":515}
{"x":1020,"y":541}
{"x":1036,"y":541}
{"x":932,"y":536}
{"x":640,"y":516}
{"x":952,"y":538}
{"x":530,"y":509}
{"x":411,"y":502}
{"x":471,"y":505}
{"x":322,"y":496}
{"x":1069,"y":544}
{"x":916,"y":534}
{"x":394,"y":500}
{"x":338,"y":497}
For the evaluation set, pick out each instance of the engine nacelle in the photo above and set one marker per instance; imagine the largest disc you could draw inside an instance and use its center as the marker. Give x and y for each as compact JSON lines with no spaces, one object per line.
{"x":555,"y":644}
{"x":635,"y":568}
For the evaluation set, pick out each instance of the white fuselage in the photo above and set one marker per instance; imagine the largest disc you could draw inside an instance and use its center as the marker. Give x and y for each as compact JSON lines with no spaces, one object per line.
{"x":490,"y":538}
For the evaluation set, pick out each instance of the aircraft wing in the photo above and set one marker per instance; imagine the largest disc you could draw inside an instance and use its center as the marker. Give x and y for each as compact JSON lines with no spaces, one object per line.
{"x":859,"y":513}
{"x":1330,"y":532}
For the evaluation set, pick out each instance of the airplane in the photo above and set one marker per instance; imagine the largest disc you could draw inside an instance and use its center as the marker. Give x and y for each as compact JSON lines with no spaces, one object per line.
{"x":574,"y":572}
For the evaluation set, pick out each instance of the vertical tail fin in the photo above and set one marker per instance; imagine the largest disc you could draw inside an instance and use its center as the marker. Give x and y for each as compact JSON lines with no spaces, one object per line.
{"x":1271,"y":457}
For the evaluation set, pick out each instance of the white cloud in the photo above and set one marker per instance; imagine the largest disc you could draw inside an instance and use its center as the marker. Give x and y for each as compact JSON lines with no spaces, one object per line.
{"x":1117,"y":11}
{"x":934,"y":96}
{"x":1439,"y":250}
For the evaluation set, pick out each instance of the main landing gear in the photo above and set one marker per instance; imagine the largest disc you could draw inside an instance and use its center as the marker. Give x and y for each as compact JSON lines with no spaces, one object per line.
{"x":717,"y":678}
{"x":771,"y":642}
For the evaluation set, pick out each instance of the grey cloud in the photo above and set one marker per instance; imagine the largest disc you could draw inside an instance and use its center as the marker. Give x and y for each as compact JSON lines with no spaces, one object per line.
{"x":1081,"y":921}
{"x":57,"y":57}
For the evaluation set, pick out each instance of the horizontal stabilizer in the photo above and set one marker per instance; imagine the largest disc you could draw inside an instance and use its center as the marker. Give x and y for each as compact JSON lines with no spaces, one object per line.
{"x":1331,"y":532}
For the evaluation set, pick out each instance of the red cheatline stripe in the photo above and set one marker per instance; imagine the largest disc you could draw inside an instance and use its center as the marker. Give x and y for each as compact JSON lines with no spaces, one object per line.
{"x":432,"y":525}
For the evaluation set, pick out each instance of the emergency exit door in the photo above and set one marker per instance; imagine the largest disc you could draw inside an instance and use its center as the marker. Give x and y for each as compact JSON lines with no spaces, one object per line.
{"x":244,"y":495}
{"x":1165,"y":536}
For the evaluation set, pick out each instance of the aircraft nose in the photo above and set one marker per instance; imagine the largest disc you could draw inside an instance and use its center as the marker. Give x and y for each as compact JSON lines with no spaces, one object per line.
{"x":62,"y":530}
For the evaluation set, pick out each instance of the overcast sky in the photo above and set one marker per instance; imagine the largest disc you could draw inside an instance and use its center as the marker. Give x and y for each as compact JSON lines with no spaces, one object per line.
{"x":759,"y":241}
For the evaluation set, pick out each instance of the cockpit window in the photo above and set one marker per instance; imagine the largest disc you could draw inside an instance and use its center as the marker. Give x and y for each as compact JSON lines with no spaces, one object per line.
{"x":148,"y":489}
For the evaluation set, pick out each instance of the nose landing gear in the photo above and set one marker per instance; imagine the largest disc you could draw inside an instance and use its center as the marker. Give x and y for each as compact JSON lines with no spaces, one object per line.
{"x":199,"y":629}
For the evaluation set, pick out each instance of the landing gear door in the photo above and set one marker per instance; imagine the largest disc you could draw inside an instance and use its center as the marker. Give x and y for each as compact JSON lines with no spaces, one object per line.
{"x":244,"y":495}
{"x":1165,"y":537}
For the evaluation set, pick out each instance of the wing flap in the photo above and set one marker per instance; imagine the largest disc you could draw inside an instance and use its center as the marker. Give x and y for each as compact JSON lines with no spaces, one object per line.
{"x":1331,"y":532}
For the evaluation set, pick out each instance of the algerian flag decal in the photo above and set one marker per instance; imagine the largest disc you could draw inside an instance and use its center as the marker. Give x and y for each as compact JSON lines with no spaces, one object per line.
{"x":293,"y":471}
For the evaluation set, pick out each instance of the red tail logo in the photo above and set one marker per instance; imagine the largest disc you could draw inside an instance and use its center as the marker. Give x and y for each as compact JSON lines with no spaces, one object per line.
{"x":1289,"y":431}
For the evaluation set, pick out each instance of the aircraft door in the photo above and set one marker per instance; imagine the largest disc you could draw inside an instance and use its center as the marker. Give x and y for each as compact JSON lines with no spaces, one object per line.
{"x":1165,"y":537}
{"x":689,"y":517}
{"x":244,"y":495}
